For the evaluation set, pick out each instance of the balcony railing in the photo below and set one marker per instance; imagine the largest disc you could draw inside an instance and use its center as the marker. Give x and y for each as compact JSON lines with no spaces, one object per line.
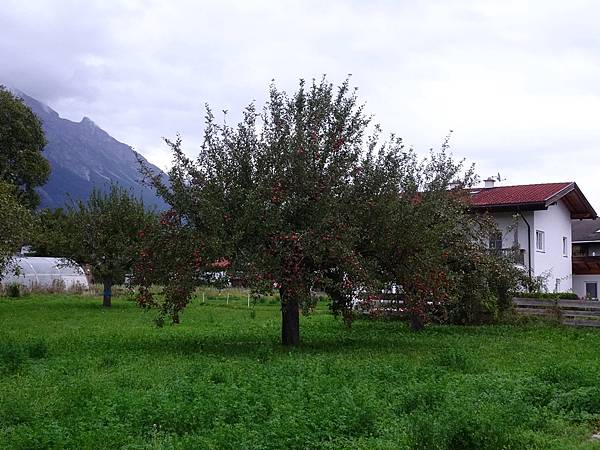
{"x":515,"y":255}
{"x":586,"y":265}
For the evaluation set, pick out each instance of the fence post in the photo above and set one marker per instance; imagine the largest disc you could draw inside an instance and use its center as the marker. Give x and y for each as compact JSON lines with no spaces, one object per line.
{"x":202,"y":296}
{"x":557,"y":311}
{"x":228,"y":298}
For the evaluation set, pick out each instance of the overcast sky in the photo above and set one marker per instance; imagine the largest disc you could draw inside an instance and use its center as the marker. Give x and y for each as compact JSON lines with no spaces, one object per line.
{"x":517,"y":81}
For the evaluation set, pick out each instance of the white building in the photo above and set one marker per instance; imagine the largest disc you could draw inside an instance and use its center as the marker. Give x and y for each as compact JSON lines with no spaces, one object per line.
{"x":535,"y":226}
{"x":586,"y":258}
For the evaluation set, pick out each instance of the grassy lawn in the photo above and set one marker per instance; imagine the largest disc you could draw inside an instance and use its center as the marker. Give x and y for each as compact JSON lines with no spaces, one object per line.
{"x":75,"y":376}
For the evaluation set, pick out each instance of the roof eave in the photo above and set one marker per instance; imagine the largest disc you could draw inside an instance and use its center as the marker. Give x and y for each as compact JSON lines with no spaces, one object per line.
{"x":588,"y":211}
{"x":532,"y":206}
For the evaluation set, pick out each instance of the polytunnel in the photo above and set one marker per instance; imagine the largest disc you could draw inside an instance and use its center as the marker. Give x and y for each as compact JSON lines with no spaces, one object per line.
{"x":37,"y":272}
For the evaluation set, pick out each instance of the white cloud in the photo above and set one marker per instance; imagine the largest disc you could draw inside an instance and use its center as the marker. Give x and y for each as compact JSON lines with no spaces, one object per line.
{"x":516,"y":80}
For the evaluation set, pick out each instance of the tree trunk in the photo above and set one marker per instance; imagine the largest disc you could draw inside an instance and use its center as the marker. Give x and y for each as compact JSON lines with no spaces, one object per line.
{"x":416,"y":322}
{"x":290,"y":319}
{"x":107,"y":295}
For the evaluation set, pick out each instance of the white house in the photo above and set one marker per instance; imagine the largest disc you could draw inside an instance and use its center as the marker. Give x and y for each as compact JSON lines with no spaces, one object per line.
{"x":535,"y":224}
{"x":586,"y":258}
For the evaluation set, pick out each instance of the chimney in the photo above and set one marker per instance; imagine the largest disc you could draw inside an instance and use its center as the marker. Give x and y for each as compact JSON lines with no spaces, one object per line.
{"x":489,"y":183}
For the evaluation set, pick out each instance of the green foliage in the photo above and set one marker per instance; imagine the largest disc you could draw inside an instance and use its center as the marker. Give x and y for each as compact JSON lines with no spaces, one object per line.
{"x":16,"y":227}
{"x":13,"y":290}
{"x":54,"y":237}
{"x":299,"y":196}
{"x":484,"y":282}
{"x":413,"y":223}
{"x":21,"y":144}
{"x":108,"y":380}
{"x":102,"y":233}
{"x":273,"y":196}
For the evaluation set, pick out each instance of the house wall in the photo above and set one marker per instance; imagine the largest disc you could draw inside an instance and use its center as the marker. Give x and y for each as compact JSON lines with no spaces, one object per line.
{"x":555,"y":222}
{"x":579,"y":283}
{"x":508,"y":222}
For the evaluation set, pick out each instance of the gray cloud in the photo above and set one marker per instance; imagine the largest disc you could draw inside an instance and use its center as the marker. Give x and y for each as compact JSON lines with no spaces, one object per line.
{"x":516,"y":80}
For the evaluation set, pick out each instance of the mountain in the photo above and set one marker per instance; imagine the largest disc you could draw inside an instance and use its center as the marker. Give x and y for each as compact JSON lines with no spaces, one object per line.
{"x":81,"y":156}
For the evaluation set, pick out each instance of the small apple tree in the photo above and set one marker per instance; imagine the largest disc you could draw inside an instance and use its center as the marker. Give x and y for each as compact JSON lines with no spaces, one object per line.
{"x":102,"y":232}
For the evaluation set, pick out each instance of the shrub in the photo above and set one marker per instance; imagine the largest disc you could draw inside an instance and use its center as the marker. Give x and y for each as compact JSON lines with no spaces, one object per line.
{"x":14,"y":290}
{"x":483,"y":287}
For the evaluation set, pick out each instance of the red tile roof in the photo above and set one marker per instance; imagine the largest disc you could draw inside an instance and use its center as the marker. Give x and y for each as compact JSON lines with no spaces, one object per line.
{"x":531,"y":197}
{"x":516,"y":195}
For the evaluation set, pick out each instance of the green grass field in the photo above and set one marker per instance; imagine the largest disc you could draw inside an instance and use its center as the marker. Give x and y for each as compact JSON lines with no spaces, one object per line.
{"x":73,"y":375}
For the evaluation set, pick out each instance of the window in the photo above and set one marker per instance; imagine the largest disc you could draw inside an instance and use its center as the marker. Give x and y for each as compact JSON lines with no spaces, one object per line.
{"x":565,"y":246}
{"x":540,"y":244}
{"x":591,"y":291}
{"x":496,"y":241}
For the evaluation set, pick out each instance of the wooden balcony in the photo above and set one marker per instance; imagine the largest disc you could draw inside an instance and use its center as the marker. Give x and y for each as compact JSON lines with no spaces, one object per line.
{"x":586,"y":265}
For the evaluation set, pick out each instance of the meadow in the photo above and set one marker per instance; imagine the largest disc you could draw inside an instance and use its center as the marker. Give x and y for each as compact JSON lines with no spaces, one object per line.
{"x":74,"y":375}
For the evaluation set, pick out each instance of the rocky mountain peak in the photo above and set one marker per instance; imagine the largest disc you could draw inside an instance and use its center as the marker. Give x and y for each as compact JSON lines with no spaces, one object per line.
{"x":83,"y":155}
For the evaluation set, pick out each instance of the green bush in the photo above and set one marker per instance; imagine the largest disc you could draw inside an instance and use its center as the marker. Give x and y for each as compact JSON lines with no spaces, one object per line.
{"x":483,"y":287}
{"x":14,"y":290}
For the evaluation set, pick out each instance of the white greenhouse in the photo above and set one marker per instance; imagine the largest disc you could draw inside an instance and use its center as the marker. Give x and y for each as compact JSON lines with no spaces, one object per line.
{"x":36,"y":272}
